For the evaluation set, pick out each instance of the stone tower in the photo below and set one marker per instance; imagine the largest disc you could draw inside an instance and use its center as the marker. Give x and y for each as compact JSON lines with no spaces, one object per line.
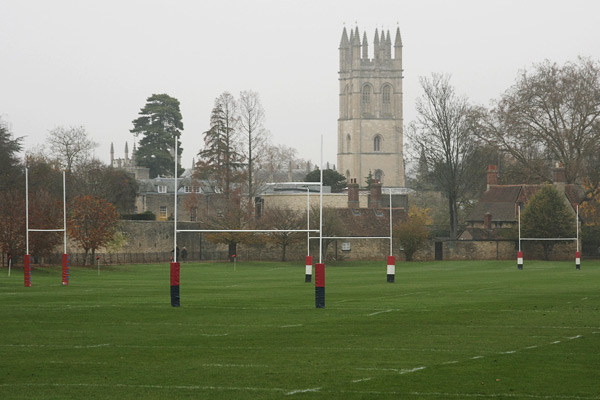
{"x":370,"y":119}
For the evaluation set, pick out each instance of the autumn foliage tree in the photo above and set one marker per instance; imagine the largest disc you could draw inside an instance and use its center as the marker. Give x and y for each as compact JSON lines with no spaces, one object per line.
{"x":413,"y":233}
{"x":92,"y":223}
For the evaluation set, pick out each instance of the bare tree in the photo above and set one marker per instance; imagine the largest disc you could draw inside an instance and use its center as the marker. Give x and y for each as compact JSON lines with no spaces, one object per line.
{"x":551,"y":113}
{"x":442,"y":136}
{"x":252,"y":117}
{"x":70,"y":146}
{"x":284,"y":219}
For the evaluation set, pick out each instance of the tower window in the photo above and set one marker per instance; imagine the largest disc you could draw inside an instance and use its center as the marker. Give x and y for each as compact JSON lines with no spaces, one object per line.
{"x":366,"y":99}
{"x":366,"y":94}
{"x":378,"y":175}
{"x":386,"y":100}
{"x":348,"y":144}
{"x":377,"y":143}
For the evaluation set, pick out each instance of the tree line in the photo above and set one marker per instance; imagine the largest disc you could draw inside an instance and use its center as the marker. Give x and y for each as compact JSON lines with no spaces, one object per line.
{"x":551,"y":114}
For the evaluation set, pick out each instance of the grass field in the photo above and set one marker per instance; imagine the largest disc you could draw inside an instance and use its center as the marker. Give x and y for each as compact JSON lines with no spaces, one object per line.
{"x":444,"y":330}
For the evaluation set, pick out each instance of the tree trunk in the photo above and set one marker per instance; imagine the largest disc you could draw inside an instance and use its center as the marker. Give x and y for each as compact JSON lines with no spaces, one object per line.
{"x":85,"y":257}
{"x":232,"y":251}
{"x":283,"y":247}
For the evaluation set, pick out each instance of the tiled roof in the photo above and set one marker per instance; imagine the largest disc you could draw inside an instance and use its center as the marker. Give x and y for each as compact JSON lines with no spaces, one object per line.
{"x":367,"y":221}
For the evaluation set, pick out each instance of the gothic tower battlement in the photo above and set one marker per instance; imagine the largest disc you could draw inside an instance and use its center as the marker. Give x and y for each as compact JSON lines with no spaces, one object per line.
{"x":370,"y":135}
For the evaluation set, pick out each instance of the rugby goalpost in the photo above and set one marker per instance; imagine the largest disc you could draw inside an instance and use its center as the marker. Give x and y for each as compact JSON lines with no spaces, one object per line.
{"x":576,"y":239}
{"x":65,"y":256}
{"x":319,"y":267}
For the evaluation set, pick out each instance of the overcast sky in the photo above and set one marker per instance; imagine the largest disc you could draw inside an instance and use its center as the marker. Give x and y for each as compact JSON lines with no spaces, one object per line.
{"x":94,"y":63}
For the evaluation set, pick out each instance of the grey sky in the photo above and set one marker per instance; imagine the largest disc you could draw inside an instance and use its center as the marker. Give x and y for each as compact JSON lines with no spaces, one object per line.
{"x":94,"y":63}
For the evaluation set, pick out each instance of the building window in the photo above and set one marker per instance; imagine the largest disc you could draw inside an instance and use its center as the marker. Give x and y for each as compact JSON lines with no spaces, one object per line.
{"x":196,"y":189}
{"x":163,"y":212}
{"x":348,"y":144}
{"x":162,"y":189}
{"x":378,"y":176}
{"x":386,"y":100}
{"x":193,"y":214}
{"x":187,"y":189}
{"x":366,"y":98}
{"x":377,"y":143}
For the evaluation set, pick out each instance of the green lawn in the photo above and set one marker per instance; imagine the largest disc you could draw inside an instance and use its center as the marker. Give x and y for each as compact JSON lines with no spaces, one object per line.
{"x":444,"y":330}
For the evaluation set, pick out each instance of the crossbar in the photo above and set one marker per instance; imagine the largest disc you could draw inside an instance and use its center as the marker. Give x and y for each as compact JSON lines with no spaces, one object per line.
{"x":246,"y":230}
{"x":46,"y":230}
{"x":557,"y":239}
{"x":353,"y":237}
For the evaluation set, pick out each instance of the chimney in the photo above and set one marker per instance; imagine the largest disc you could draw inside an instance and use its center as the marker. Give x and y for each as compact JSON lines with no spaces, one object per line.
{"x":353,"y":201}
{"x":492,"y":176}
{"x":375,"y":195}
{"x":487,"y":220}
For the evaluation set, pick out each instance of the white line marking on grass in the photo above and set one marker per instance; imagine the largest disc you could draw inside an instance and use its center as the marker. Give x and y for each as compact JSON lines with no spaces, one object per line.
{"x":555,"y":342}
{"x":508,"y":352}
{"x":585,"y":298}
{"x":235,"y":365}
{"x":302,"y":391}
{"x":214,"y":334}
{"x":361,"y":380}
{"x":378,"y":369}
{"x":290,"y":326}
{"x":476,"y":357}
{"x":531,"y":347}
{"x":380,"y":312}
{"x":575,"y":337}
{"x":275,"y":269}
{"x":408,"y":371}
{"x":123,"y":385}
{"x":450,"y":362}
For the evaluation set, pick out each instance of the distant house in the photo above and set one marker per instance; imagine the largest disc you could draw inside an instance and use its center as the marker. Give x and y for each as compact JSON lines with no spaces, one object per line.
{"x":496,"y":213}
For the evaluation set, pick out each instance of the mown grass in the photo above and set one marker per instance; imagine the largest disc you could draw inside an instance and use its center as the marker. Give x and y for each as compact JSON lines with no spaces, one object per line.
{"x":442,"y":330}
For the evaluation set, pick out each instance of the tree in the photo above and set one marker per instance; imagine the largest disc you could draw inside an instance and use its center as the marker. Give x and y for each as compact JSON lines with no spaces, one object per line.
{"x":70,"y":146}
{"x":9,"y":163}
{"x":220,"y":160}
{"x":116,"y":186}
{"x":331,"y":227}
{"x":45,"y":212}
{"x":159,"y":124}
{"x":551,"y":113}
{"x":92,"y":223}
{"x":443,"y":134}
{"x":12,"y":222}
{"x":331,"y":178}
{"x":283,"y":219}
{"x":252,"y":118}
{"x":546,"y":215}
{"x":412,"y":234}
{"x":233,"y":215}
{"x":368,"y":179}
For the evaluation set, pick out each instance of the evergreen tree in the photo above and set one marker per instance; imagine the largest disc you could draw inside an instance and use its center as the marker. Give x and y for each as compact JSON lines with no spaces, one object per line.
{"x":159,"y":124}
{"x":9,"y":163}
{"x":547,"y":216}
{"x":369,"y":179}
{"x":331,"y":178}
{"x":220,"y":160}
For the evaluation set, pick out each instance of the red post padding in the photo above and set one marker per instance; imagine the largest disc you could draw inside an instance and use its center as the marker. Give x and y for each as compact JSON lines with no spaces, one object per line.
{"x":65,"y":269}
{"x":391,"y":260}
{"x":320,"y":275}
{"x":27,"y":269}
{"x":175,"y":268}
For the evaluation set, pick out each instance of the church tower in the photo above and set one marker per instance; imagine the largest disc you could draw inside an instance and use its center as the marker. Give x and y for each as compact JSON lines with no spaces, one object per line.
{"x":370,"y":120}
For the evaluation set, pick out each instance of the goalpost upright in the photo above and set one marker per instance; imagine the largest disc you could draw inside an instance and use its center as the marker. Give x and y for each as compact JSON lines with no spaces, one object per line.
{"x":65,"y":256}
{"x":576,"y":239}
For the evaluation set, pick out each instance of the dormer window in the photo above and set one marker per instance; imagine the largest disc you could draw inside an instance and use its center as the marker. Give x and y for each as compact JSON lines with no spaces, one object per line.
{"x":162,"y":188}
